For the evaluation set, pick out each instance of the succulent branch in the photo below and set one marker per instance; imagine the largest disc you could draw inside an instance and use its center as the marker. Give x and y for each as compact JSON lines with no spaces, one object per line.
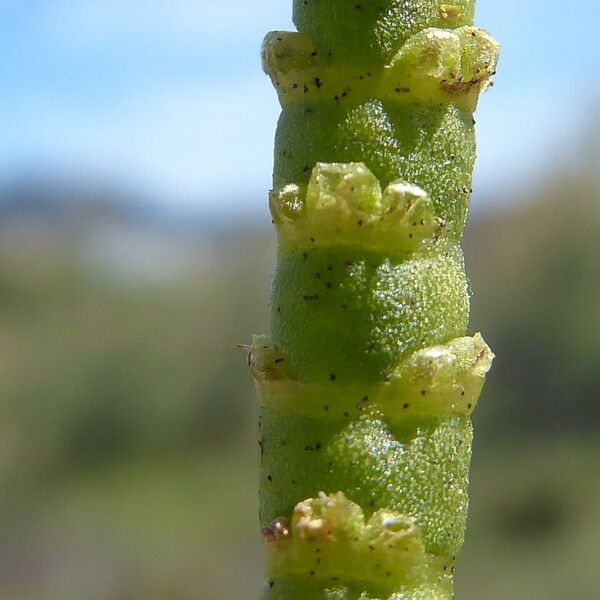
{"x":367,"y":381}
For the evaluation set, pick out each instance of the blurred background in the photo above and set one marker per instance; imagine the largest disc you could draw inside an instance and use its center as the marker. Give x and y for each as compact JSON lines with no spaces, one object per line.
{"x":136,"y":250}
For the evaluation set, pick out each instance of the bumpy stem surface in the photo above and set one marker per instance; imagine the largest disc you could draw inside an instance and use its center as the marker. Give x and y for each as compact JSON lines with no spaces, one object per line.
{"x":367,"y":381}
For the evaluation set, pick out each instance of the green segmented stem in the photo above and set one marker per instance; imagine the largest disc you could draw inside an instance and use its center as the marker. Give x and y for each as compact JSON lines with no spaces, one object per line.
{"x":367,"y":381}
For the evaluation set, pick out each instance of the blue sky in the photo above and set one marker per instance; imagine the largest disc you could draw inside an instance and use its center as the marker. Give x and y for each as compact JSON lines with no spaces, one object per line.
{"x":167,"y":96}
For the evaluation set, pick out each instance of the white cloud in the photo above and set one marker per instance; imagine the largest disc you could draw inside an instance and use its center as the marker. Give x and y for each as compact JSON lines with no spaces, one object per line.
{"x":186,"y":144}
{"x":522,"y":138}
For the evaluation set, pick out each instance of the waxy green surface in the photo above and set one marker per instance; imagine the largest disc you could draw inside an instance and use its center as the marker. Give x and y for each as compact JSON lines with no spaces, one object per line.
{"x":367,"y":381}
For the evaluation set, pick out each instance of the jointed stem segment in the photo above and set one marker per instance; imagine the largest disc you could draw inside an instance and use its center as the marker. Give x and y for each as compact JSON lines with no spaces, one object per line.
{"x":367,"y":382}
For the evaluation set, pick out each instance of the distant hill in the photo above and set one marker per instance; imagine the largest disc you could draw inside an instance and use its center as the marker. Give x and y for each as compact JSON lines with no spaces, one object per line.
{"x":535,"y":273}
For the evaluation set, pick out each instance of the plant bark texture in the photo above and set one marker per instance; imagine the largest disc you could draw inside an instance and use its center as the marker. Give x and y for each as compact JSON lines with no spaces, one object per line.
{"x":368,"y":378}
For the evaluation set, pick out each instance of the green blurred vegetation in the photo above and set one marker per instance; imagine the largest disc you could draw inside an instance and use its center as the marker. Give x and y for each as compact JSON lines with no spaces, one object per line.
{"x":128,"y":430}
